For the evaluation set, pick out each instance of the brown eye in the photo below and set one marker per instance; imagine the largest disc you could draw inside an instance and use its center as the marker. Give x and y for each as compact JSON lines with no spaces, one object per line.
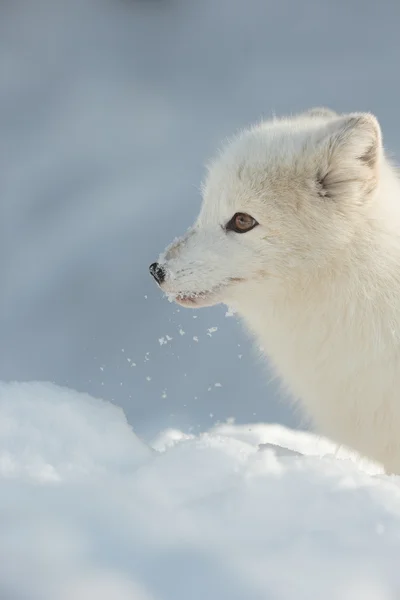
{"x":241,"y":222}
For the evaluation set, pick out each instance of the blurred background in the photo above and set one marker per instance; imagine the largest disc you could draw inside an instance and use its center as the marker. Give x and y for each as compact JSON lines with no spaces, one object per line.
{"x":108,"y":111}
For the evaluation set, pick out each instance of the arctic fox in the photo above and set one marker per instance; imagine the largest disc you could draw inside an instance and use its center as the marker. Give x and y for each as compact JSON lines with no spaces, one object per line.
{"x":299,"y":232}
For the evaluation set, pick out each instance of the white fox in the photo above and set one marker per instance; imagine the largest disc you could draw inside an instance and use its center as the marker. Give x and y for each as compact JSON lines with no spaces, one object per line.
{"x":299,"y":232}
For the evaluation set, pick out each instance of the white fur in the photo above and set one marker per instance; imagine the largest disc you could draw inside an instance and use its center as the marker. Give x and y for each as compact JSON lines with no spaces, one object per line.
{"x":318,"y":280}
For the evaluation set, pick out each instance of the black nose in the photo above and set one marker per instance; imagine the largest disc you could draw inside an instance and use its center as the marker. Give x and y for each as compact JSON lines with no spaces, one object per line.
{"x":158,"y":272}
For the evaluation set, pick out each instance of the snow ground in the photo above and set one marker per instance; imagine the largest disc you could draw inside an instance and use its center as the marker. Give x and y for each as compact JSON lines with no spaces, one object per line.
{"x":89,"y":512}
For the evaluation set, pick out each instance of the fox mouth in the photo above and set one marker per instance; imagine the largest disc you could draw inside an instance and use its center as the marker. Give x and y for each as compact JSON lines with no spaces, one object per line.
{"x":203,"y":298}
{"x":196,"y":300}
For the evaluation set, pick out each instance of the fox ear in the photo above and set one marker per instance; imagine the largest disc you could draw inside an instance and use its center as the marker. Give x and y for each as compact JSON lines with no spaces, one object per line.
{"x":352,"y":149}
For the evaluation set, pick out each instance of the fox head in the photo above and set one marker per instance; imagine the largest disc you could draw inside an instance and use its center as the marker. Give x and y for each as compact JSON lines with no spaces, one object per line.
{"x":280,"y":202}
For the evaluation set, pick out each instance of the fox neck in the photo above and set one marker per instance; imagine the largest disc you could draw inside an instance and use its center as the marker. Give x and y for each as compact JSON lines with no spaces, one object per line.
{"x":360,"y":298}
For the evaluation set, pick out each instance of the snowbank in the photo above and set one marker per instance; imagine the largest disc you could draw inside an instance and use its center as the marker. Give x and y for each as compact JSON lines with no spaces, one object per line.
{"x":89,"y":512}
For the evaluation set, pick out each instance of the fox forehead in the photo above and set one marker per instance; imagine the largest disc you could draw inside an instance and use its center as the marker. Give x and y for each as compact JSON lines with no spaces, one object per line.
{"x":278,"y":142}
{"x":259,"y":164}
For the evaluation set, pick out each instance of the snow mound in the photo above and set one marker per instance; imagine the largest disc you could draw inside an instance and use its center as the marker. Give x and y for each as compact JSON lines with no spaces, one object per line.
{"x":89,"y":512}
{"x":55,"y":434}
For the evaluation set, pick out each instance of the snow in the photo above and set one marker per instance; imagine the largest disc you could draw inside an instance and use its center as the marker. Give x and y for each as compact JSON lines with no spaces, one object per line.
{"x":49,"y":433}
{"x":242,"y":512}
{"x":211,"y":330}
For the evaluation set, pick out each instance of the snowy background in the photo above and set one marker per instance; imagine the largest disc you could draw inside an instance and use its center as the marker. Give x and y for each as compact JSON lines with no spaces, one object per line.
{"x":108,"y":111}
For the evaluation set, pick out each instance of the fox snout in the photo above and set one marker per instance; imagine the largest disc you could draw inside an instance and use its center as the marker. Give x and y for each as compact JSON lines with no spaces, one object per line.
{"x":158,"y":272}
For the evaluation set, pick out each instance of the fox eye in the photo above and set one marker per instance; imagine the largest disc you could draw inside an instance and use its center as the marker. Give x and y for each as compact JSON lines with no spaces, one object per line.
{"x":240,"y":223}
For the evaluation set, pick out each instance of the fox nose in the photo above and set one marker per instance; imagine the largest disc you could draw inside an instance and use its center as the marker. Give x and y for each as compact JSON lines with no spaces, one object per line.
{"x":158,"y":272}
